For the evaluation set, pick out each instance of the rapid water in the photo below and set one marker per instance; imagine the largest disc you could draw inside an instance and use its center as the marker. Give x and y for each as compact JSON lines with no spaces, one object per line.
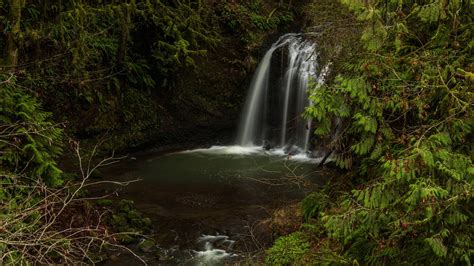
{"x":212,"y":255}
{"x":281,"y":97}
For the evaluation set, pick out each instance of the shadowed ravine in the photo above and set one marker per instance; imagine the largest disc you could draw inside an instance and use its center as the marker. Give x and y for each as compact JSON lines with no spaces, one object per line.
{"x":236,"y":132}
{"x":213,"y":205}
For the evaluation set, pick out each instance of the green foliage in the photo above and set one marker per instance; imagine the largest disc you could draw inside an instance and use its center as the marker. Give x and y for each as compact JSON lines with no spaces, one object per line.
{"x":134,"y":118}
{"x":176,"y":33}
{"x":247,"y":18}
{"x":129,"y":221}
{"x":29,"y":142}
{"x":407,"y":119}
{"x":288,"y":249}
{"x":29,"y":147}
{"x":84,"y":58}
{"x":313,"y":204}
{"x":38,"y":212}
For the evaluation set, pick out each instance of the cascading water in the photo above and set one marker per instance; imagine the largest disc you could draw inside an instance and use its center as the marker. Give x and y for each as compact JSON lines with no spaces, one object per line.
{"x":261,"y":110}
{"x":254,"y":113}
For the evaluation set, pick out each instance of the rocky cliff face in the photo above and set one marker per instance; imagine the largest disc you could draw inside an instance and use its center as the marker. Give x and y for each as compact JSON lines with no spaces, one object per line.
{"x":204,"y":104}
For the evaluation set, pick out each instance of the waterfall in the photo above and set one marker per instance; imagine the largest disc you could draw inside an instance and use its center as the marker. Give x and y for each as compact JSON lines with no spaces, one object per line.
{"x":254,"y":112}
{"x":276,"y":101}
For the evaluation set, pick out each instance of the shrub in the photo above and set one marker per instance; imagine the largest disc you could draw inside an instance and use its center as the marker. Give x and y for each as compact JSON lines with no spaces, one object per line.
{"x":313,"y":204}
{"x":288,"y":249}
{"x":407,"y":119}
{"x":29,"y":141}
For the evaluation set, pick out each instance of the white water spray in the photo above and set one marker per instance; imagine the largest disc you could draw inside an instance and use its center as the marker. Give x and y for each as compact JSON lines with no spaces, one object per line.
{"x":291,"y":130}
{"x":254,"y":113}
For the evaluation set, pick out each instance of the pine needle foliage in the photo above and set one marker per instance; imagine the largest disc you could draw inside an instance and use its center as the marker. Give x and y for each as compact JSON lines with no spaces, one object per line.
{"x":91,"y":57}
{"x":249,"y":18}
{"x":405,"y":110}
{"x":29,"y":142}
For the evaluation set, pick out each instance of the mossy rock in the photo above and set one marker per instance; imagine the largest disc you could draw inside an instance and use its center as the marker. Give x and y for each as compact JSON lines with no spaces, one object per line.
{"x":138,"y":223}
{"x":142,"y":224}
{"x":119,"y":220}
{"x":134,"y":215}
{"x":147,"y":245}
{"x":147,"y":222}
{"x":128,"y":219}
{"x":162,"y":256}
{"x":126,"y":205}
{"x":104,"y":202}
{"x":126,"y":238}
{"x":126,"y":229}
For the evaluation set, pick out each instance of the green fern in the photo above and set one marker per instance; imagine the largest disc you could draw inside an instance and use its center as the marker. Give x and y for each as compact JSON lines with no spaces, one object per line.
{"x":408,"y":135}
{"x":29,"y":140}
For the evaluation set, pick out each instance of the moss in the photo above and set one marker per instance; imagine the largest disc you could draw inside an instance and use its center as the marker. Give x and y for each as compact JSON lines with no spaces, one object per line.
{"x":127,"y":219}
{"x":133,"y":215}
{"x":286,"y":220}
{"x":147,"y":245}
{"x":126,"y":238}
{"x":288,"y":249}
{"x":119,"y":220}
{"x":104,"y":202}
{"x":147,"y":222}
{"x":125,"y":205}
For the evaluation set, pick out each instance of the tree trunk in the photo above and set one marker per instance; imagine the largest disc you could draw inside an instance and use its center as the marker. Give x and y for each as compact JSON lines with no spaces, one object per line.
{"x":12,"y":36}
{"x":326,"y":157}
{"x":122,"y":50}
